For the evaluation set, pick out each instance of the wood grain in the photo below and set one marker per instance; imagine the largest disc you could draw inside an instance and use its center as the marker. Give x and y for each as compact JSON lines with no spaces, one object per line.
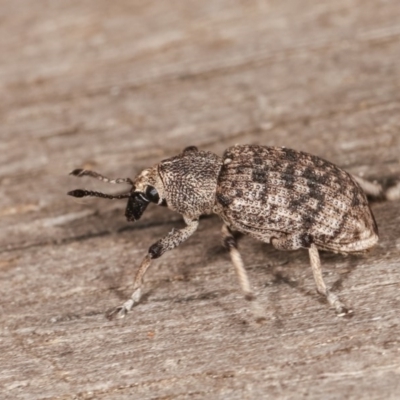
{"x":117,"y":86}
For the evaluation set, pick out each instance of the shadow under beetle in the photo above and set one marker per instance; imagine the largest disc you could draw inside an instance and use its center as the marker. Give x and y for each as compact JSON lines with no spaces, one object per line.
{"x":288,"y":198}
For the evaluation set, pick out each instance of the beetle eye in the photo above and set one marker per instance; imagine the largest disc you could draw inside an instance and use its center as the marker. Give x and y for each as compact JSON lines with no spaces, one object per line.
{"x":152,"y":194}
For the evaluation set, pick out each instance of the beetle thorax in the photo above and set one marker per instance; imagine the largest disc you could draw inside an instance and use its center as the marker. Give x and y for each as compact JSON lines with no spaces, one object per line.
{"x":190,"y":182}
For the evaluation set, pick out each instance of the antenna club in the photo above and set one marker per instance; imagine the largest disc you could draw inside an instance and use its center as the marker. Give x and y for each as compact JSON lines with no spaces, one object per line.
{"x":76,"y":172}
{"x":77,"y":192}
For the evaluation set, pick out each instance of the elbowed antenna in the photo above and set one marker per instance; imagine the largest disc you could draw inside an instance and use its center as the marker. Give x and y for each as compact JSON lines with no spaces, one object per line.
{"x":85,"y":172}
{"x":85,"y":193}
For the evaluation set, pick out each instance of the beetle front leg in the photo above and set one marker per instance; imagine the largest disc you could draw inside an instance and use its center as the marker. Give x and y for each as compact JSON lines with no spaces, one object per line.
{"x":170,"y":241}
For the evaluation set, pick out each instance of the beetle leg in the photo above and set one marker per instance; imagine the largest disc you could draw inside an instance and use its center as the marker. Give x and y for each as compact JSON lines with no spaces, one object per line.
{"x":170,"y":241}
{"x":393,"y":192}
{"x":376,"y":191}
{"x":294,"y":242}
{"x":371,"y":189}
{"x":231,"y":244}
{"x":332,"y":298}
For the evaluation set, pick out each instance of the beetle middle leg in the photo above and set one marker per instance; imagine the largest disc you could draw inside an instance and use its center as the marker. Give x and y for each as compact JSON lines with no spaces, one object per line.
{"x":230,"y":243}
{"x":170,"y":241}
{"x":294,"y":242}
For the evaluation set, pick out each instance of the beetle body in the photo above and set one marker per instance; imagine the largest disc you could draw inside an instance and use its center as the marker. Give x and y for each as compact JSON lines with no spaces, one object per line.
{"x":277,"y":195}
{"x":272,"y":192}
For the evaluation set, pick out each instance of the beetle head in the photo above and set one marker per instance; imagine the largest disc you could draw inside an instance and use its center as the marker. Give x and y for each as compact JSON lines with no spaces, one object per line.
{"x":185,"y":183}
{"x":146,"y":188}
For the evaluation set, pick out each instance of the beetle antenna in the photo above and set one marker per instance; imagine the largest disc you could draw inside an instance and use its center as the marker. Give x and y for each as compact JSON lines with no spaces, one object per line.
{"x":85,"y":193}
{"x":85,"y":172}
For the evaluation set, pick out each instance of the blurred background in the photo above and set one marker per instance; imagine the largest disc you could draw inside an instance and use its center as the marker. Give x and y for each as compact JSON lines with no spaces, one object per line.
{"x":119,"y":85}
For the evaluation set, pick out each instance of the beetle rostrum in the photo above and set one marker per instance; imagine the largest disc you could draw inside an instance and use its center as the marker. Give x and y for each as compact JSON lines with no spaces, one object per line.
{"x":280,"y":196}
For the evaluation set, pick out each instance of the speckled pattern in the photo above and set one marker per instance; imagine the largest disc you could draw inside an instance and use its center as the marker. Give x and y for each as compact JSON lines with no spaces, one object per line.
{"x":190,"y":181}
{"x":275,"y":192}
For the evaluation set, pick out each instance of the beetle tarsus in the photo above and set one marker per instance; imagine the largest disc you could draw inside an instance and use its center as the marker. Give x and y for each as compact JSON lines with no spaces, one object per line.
{"x":341,"y":309}
{"x":117,"y":313}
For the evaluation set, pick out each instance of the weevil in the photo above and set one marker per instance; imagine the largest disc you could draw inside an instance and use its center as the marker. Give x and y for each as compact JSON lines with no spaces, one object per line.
{"x":290,"y":199}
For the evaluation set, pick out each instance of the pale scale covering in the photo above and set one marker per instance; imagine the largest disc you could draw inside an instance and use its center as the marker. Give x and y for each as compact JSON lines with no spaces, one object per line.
{"x":277,"y":192}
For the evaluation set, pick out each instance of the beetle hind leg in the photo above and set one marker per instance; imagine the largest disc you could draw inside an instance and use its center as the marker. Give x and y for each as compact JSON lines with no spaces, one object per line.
{"x":377,"y":191}
{"x":332,"y":298}
{"x":230,"y":244}
{"x":294,"y":242}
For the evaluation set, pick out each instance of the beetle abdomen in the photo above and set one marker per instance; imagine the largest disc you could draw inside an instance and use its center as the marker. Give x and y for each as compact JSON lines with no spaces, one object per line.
{"x":271,"y":192}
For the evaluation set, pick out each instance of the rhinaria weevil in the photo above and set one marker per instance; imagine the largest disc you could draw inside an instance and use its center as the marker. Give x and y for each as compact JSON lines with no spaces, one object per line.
{"x":288,"y":198}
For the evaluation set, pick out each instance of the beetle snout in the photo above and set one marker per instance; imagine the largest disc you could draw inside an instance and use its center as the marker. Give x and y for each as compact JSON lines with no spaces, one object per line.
{"x":136,"y":206}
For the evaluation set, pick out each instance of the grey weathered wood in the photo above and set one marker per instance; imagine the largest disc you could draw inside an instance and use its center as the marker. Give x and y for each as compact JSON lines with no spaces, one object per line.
{"x":119,"y":85}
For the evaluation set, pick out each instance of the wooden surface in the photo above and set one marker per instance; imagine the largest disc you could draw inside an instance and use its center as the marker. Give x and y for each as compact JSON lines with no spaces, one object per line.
{"x":117,"y":86}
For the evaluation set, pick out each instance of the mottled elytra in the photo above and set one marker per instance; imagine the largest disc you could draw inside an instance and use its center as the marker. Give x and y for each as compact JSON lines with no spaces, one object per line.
{"x":277,"y":195}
